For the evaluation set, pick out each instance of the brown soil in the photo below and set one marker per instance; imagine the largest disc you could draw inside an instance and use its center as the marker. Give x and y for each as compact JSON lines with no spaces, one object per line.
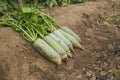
{"x":99,"y":61}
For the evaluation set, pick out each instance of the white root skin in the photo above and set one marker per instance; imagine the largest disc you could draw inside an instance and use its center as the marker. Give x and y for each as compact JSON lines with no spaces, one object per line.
{"x":71,"y":39}
{"x":64,"y":39}
{"x":60,"y":36}
{"x":69,"y":31}
{"x":56,"y":47}
{"x":61,"y":43}
{"x":41,"y":46}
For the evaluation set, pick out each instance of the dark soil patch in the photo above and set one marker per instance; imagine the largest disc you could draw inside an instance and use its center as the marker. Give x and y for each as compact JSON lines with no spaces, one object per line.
{"x":99,"y":61}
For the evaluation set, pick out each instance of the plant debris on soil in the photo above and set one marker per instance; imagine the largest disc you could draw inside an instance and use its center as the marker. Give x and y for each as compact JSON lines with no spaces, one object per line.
{"x":100,"y":37}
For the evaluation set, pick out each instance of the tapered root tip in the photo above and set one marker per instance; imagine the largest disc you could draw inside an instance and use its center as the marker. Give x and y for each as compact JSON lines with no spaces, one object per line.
{"x":79,"y":46}
{"x":64,"y":56}
{"x":69,"y":54}
{"x":58,"y":61}
{"x":71,"y":48}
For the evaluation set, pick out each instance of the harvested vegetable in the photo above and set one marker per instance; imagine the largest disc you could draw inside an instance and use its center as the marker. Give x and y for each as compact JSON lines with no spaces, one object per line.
{"x":39,"y":28}
{"x":61,"y":43}
{"x":69,"y":31}
{"x":65,"y":40}
{"x":31,"y":35}
{"x":71,"y":39}
{"x":47,"y":51}
{"x":56,"y":46}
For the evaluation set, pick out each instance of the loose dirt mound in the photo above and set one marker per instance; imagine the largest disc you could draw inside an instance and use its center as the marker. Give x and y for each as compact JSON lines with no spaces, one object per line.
{"x":19,"y":61}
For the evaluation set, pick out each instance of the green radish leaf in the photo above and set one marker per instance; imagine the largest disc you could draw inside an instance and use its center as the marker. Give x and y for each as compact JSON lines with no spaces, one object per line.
{"x":77,"y":1}
{"x":26,"y":10}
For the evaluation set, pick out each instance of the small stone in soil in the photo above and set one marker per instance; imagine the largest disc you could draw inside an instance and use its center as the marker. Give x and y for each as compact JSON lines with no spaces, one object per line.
{"x":89,"y":74}
{"x":79,"y":76}
{"x":93,"y":77}
{"x":103,"y":73}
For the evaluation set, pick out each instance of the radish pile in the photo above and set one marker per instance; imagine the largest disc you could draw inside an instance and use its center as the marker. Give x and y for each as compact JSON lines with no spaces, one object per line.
{"x":50,"y":39}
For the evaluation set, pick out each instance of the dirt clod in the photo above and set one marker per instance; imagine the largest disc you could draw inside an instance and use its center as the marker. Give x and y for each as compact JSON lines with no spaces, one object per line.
{"x":103,"y":73}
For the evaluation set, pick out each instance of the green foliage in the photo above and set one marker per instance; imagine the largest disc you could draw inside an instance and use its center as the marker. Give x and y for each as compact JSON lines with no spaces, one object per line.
{"x":12,"y":5}
{"x":27,"y":19}
{"x":111,"y":72}
{"x":52,"y":3}
{"x":77,"y":1}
